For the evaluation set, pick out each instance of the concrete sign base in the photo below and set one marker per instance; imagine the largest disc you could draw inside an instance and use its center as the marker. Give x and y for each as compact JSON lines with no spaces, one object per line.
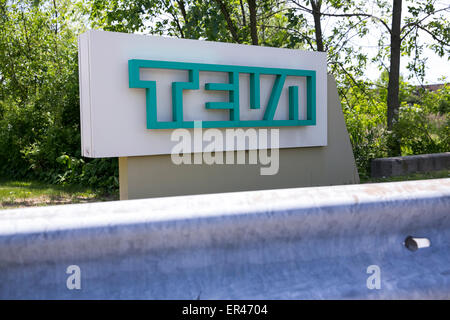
{"x":334,"y":164}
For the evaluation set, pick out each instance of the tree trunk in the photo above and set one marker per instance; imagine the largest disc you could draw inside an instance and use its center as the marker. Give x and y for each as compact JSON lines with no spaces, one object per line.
{"x":317,"y":24}
{"x":182,"y":7}
{"x":394,"y":70}
{"x":253,"y":27}
{"x":393,"y":103}
{"x":244,"y":22}
{"x":230,"y":24}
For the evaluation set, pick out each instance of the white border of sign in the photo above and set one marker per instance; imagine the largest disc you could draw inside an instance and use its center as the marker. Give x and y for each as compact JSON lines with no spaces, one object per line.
{"x":113,"y":116}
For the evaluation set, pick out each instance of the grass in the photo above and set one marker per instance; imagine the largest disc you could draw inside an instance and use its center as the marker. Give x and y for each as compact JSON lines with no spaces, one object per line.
{"x":414,"y":176}
{"x":15,"y":194}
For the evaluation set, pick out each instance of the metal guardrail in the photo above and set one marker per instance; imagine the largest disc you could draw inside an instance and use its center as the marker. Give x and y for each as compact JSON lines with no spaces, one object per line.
{"x":339,"y":242}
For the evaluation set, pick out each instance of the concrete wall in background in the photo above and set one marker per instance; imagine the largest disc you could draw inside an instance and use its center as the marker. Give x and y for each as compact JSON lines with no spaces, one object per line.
{"x":157,"y":176}
{"x":298,"y":243}
{"x":398,"y":166}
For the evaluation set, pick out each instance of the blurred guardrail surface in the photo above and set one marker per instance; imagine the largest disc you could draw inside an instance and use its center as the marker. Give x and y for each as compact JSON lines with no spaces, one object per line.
{"x":389,"y":240}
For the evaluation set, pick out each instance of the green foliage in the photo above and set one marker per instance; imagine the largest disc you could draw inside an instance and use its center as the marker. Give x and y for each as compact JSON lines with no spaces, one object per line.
{"x":193,"y":19}
{"x":424,"y":122}
{"x":39,"y":102}
{"x":25,"y":193}
{"x":39,"y":105}
{"x":423,"y":126}
{"x":365,"y":119}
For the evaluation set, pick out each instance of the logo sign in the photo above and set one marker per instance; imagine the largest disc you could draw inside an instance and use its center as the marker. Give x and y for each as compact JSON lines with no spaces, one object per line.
{"x":135,"y":90}
{"x":232,"y":88}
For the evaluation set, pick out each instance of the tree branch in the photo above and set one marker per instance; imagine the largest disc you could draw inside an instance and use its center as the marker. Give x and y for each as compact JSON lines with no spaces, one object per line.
{"x":442,"y":42}
{"x":303,"y":8}
{"x":359,"y":14}
{"x":230,"y":24}
{"x":183,"y":10}
{"x":304,"y":37}
{"x":416,"y":23}
{"x":244,"y":22}
{"x":175,"y":18}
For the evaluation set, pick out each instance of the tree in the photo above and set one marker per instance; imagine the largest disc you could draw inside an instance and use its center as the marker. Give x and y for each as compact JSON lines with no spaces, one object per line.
{"x":423,"y":18}
{"x":238,"y":21}
{"x":39,"y":101}
{"x":39,"y":104}
{"x":345,"y":60}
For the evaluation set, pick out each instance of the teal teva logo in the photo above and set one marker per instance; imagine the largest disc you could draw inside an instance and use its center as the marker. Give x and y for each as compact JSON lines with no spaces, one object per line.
{"x":233,"y":94}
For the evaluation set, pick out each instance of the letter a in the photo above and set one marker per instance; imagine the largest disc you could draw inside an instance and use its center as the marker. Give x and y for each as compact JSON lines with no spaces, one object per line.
{"x":374,"y":281}
{"x":74,"y":280}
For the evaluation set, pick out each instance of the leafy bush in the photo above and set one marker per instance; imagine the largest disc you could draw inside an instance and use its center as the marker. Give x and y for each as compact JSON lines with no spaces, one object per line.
{"x":365,"y":119}
{"x":424,"y":121}
{"x":423,"y":125}
{"x":39,"y":102}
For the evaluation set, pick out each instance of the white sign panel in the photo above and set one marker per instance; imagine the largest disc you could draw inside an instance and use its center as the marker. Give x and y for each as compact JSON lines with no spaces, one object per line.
{"x":135,"y":90}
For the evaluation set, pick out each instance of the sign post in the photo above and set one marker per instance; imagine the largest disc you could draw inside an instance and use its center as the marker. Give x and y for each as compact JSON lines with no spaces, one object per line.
{"x":192,"y":117}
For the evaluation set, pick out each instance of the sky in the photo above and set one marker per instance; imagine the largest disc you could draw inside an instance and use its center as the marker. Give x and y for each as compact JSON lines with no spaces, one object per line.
{"x":435,"y":68}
